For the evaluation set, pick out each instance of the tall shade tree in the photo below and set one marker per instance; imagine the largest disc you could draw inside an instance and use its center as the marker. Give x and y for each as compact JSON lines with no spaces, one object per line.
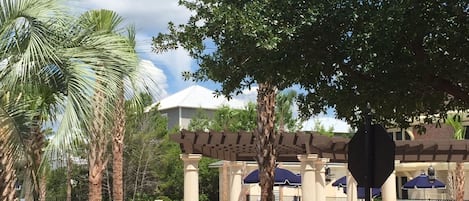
{"x":247,"y":46}
{"x":405,"y":59}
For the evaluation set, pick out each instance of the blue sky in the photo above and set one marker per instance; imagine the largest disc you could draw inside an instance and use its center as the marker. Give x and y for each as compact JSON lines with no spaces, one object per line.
{"x":151,"y":17}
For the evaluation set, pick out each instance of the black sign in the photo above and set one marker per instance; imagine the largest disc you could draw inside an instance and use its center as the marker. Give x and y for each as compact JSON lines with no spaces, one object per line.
{"x":378,"y":164}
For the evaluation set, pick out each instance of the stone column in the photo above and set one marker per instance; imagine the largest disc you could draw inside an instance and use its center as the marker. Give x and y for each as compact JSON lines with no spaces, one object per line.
{"x":351,"y":187}
{"x":191,"y":176}
{"x":320,"y":178}
{"x":388,"y":189}
{"x":236,"y":174}
{"x":308,"y":176}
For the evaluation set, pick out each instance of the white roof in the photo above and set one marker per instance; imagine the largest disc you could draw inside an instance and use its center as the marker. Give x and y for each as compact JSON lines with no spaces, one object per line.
{"x":197,"y":97}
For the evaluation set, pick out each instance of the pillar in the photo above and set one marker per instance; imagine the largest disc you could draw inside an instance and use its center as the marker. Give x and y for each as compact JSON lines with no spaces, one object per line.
{"x":191,"y":176}
{"x":320,"y":164}
{"x":236,"y":173}
{"x":308,"y":176}
{"x":388,"y":190}
{"x":351,"y":187}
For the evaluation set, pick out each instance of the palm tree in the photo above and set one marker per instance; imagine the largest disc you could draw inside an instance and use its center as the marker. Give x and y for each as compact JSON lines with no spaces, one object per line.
{"x":283,"y":110}
{"x":28,"y":44}
{"x":105,"y":23}
{"x":13,"y":123}
{"x":37,"y":44}
{"x":459,"y":134}
{"x":137,"y":80}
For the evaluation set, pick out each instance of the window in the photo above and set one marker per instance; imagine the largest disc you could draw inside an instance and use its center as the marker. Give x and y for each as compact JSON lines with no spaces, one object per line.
{"x":400,"y":135}
{"x":466,"y":135}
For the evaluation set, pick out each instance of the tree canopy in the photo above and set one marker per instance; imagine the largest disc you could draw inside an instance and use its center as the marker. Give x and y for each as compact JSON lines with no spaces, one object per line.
{"x":405,"y":58}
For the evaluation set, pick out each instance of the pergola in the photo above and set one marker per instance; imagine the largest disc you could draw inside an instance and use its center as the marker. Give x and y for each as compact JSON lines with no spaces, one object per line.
{"x":240,"y":146}
{"x":311,"y":149}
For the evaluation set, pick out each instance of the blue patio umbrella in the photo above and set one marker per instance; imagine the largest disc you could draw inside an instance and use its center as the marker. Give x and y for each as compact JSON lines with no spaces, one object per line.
{"x":422,"y":182}
{"x":341,"y":182}
{"x":283,"y":177}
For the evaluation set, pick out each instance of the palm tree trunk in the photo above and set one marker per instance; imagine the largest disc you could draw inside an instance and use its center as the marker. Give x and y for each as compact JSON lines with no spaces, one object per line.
{"x":36,"y":186}
{"x":98,"y":144}
{"x":42,"y":187}
{"x":459,"y":181}
{"x":37,"y":145}
{"x":69,"y":178}
{"x":118,"y":149}
{"x":265,"y":139}
{"x":28,"y":185}
{"x":7,"y":169}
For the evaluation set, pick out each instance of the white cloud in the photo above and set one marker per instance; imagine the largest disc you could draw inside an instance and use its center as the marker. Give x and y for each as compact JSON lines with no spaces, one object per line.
{"x":152,"y":79}
{"x":248,"y":95}
{"x":146,"y":14}
{"x":150,"y":17}
{"x":175,"y":61}
{"x":339,"y":126}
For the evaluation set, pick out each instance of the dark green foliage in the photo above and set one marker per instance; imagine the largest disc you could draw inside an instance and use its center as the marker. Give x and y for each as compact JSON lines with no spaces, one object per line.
{"x":57,"y":186}
{"x":225,"y":119}
{"x":170,"y":171}
{"x":405,"y":58}
{"x":318,"y":127}
{"x":200,"y":121}
{"x":250,"y":39}
{"x":146,"y":145}
{"x":208,"y":180}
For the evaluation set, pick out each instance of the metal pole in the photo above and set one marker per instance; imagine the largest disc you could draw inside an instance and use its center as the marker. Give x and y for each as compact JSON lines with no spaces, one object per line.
{"x":368,"y":151}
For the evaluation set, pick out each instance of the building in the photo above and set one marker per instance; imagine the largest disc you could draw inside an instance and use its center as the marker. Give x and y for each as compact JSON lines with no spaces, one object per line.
{"x":180,"y":107}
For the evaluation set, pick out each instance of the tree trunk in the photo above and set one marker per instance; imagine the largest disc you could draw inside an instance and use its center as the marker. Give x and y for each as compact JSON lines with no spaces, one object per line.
{"x":69,"y":178}
{"x":36,"y":187}
{"x":7,"y":168}
{"x":459,"y":181}
{"x":28,"y":186}
{"x":118,"y":149}
{"x":98,"y":144}
{"x":265,"y":139}
{"x":37,"y":146}
{"x":144,"y":173}
{"x":42,"y":187}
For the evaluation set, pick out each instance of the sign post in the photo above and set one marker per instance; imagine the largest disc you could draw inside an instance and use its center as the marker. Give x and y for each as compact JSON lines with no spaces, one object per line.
{"x":371,"y":156}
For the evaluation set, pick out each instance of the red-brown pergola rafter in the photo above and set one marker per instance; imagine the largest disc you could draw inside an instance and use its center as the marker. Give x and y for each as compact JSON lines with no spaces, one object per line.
{"x":240,"y":146}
